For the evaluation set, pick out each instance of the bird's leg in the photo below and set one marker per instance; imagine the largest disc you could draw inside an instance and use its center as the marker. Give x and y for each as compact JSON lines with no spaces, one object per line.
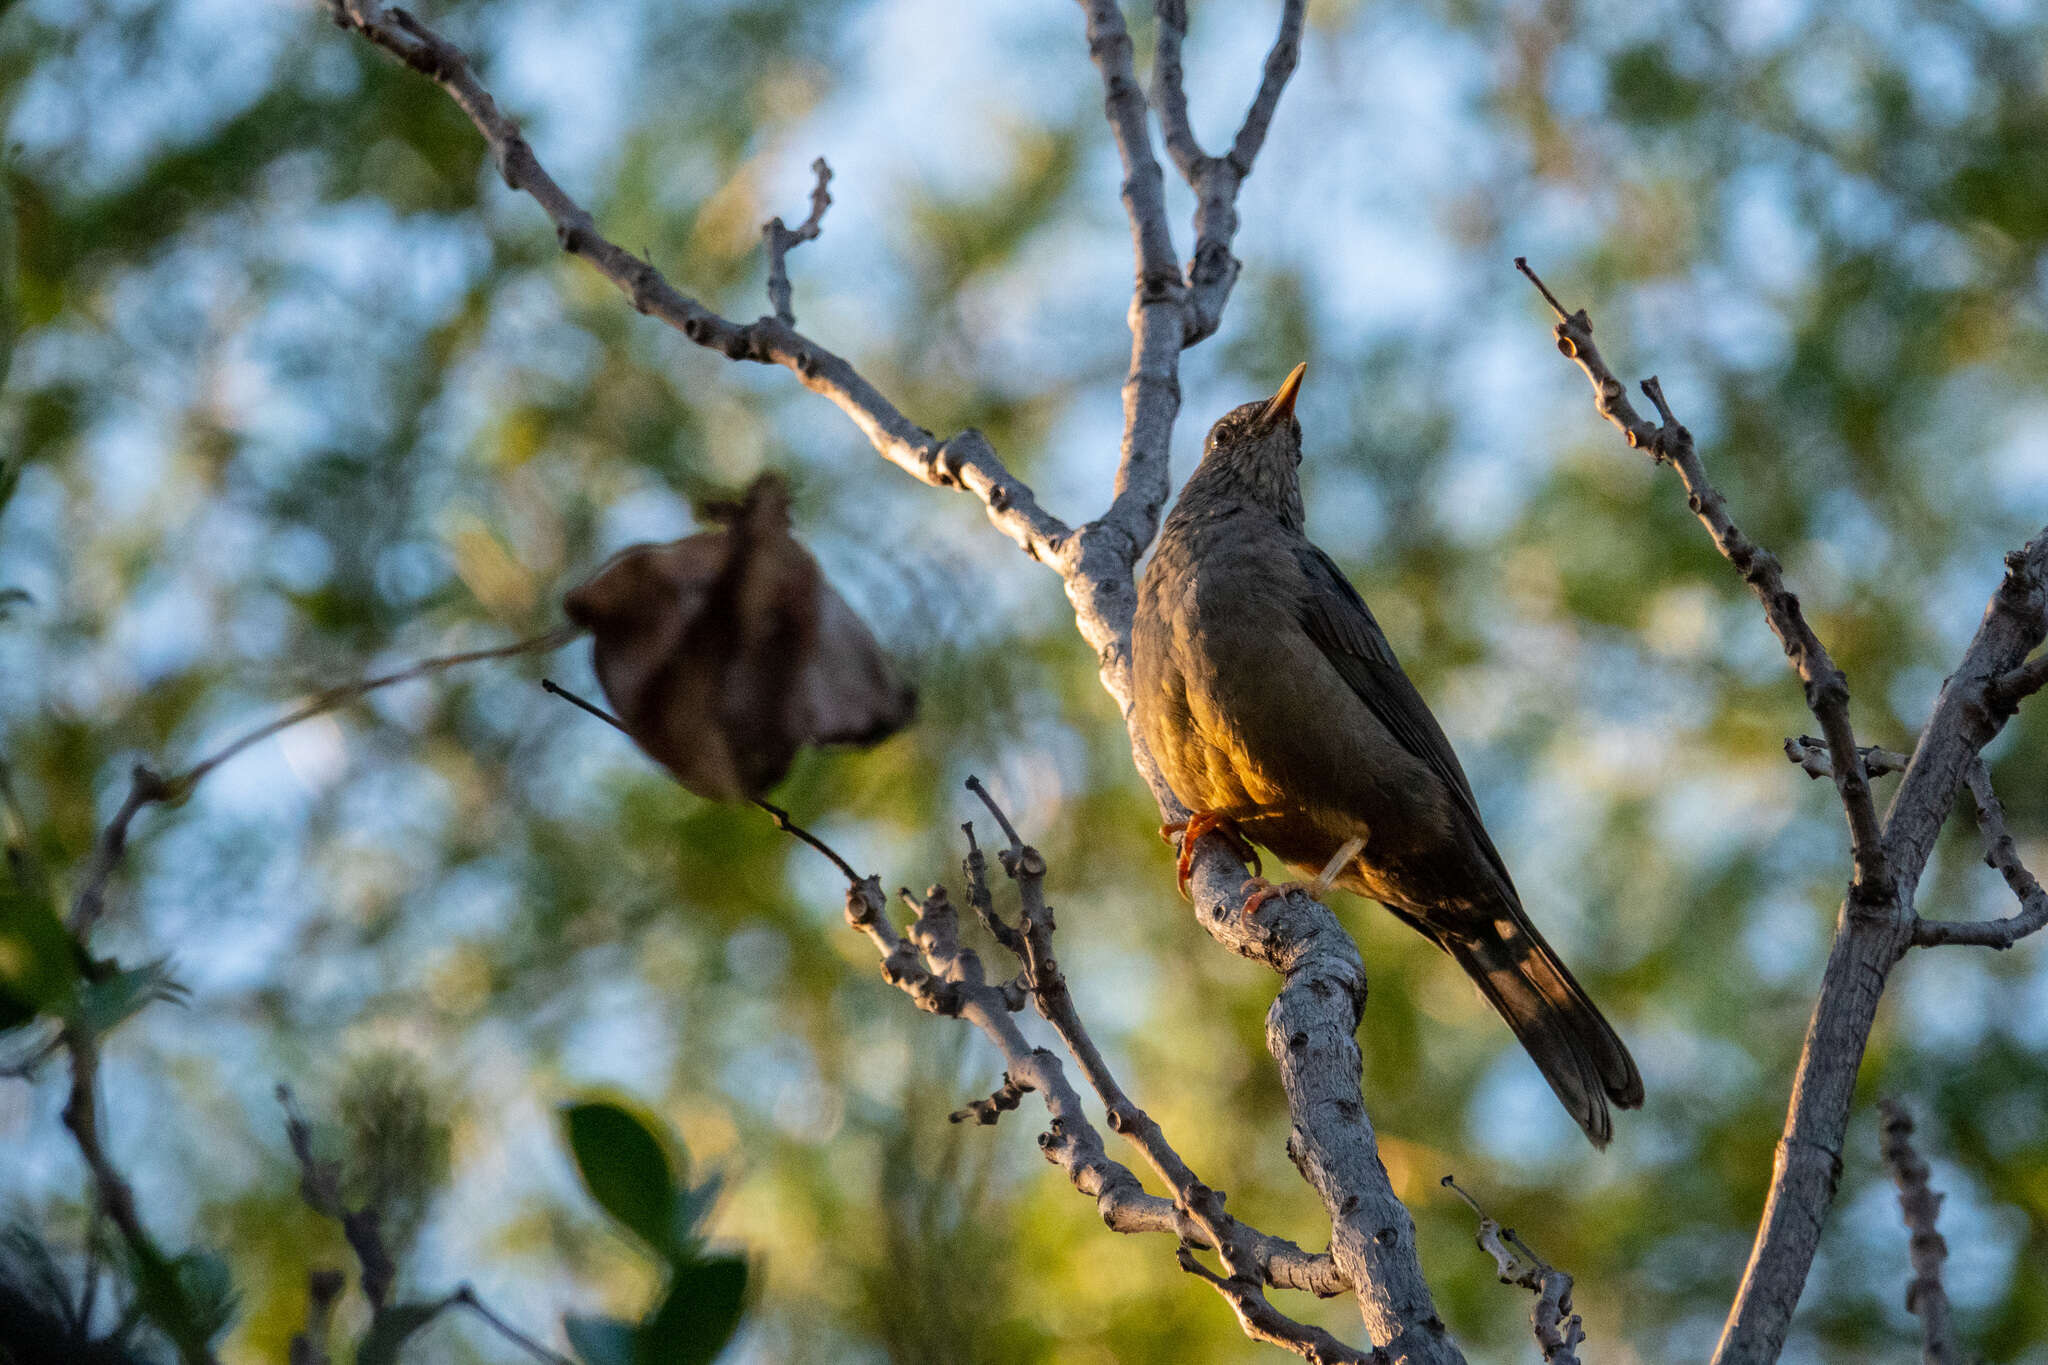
{"x":1259,"y":890}
{"x":1194,"y":828}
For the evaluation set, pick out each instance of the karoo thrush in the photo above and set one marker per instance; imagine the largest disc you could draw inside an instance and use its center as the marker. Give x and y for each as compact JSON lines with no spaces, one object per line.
{"x":1277,"y":711}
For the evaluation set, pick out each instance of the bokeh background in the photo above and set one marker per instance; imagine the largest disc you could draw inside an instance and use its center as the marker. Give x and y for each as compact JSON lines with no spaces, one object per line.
{"x":299,"y":389}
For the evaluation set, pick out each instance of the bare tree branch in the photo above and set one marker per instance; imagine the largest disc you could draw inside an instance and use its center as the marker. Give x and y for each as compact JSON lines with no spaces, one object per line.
{"x":1558,"y":1329}
{"x":779,"y":239}
{"x":391,"y":1322}
{"x":2008,"y":690}
{"x":1048,"y":988}
{"x":931,"y":955}
{"x":154,"y":1274}
{"x":1827,"y":691}
{"x":1213,"y":270}
{"x":963,"y":461}
{"x":147,"y":788}
{"x":1323,"y":990}
{"x":1311,"y":1031}
{"x":1877,"y":922}
{"x":928,"y":963}
{"x":1869,"y":939}
{"x":1921,"y":1206}
{"x":1812,"y":756}
{"x":2001,"y":853}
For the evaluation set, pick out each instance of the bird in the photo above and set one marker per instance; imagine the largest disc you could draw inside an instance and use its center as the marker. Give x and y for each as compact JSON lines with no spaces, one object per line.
{"x":1279,"y":716}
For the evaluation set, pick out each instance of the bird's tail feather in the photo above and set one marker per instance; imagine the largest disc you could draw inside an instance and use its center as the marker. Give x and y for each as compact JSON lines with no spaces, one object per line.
{"x":1565,"y":1034}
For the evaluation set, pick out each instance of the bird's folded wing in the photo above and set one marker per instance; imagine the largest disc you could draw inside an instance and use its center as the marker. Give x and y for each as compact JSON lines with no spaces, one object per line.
{"x":1342,"y":626}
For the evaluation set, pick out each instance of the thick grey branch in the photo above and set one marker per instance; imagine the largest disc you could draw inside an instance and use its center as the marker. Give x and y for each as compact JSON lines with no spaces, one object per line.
{"x":1311,"y":1031}
{"x":1920,"y":1205}
{"x":1869,"y":939}
{"x":964,"y":461}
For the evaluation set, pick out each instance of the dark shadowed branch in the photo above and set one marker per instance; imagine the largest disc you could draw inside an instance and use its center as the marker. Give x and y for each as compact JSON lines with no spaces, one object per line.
{"x":155,"y":1277}
{"x":392,"y":1321}
{"x":1920,"y":1205}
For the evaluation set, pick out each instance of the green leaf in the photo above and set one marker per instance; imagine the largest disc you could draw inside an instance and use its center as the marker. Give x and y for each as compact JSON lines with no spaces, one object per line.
{"x":208,"y":1289}
{"x":626,"y":1168}
{"x":600,"y":1341}
{"x":698,"y":1317}
{"x":117,"y":997}
{"x":39,"y":962}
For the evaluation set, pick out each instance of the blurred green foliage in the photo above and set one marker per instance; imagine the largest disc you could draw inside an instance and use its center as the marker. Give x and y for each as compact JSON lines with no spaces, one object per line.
{"x":297,"y":388}
{"x":625,"y":1165}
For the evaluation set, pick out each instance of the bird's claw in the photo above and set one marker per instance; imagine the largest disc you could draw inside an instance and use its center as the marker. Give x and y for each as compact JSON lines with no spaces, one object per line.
{"x":1197,"y":826}
{"x":1258,"y":891}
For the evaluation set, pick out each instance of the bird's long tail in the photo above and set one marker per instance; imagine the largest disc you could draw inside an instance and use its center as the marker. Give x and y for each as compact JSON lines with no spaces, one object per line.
{"x":1565,"y":1034}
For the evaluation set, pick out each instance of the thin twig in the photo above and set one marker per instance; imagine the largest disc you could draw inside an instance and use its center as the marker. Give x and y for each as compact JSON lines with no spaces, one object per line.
{"x":1203,"y":1204}
{"x":147,"y":788}
{"x":1827,"y":691}
{"x":779,"y":239}
{"x":322,"y":702}
{"x":1920,"y":1205}
{"x":966,"y":460}
{"x":789,"y":826}
{"x":1811,"y":755}
{"x":2001,"y":853}
{"x":775,"y":813}
{"x":167,"y":1303}
{"x":464,"y":1296}
{"x":550,"y":686}
{"x":1558,"y":1329}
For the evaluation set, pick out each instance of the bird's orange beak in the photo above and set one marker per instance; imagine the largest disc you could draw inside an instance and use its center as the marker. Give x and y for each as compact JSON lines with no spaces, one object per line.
{"x":1282,"y":406}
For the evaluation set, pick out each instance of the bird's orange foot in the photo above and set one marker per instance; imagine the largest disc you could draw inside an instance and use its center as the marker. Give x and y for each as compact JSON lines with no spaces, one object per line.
{"x":1193,"y":829}
{"x":1258,"y":891}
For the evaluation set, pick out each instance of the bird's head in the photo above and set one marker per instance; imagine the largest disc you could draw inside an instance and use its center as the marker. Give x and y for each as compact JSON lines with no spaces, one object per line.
{"x":1256,"y":448}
